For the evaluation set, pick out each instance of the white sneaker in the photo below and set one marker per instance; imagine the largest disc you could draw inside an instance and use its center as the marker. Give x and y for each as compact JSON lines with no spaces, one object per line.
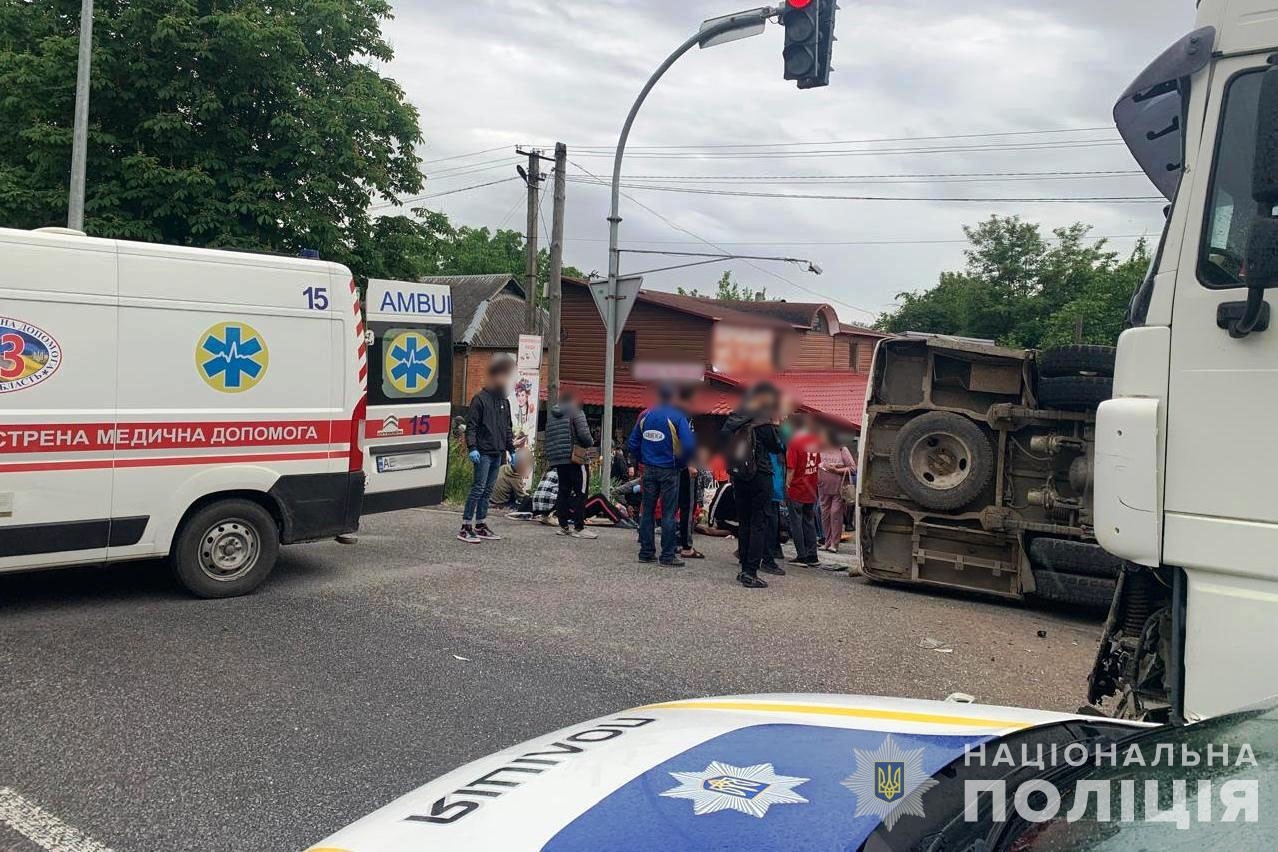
{"x":587,"y":534}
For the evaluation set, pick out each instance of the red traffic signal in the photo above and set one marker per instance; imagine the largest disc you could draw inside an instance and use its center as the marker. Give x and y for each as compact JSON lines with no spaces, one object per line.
{"x":798,"y":4}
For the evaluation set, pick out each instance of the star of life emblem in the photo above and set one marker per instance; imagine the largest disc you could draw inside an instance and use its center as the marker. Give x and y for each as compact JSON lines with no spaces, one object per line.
{"x":889,"y":782}
{"x":750,"y":789}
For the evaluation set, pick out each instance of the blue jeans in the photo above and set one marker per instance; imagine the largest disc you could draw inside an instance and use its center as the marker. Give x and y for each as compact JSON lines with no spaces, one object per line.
{"x":663,"y":483}
{"x":485,"y":478}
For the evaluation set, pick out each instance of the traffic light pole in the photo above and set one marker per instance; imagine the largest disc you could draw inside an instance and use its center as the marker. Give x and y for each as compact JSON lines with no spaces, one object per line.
{"x":743,"y":20}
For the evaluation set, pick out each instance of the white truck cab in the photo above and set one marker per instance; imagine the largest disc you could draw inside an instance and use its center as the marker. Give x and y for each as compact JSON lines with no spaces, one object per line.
{"x":202,"y":405}
{"x":1185,"y":463}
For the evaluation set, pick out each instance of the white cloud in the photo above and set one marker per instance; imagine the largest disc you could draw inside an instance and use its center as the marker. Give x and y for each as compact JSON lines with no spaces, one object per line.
{"x":506,"y":72}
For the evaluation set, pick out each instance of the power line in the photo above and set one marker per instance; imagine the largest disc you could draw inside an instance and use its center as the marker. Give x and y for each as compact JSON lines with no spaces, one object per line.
{"x":1115,"y":199}
{"x":1109,"y":128}
{"x":471,"y":168}
{"x":838,"y":242}
{"x":872,"y":152}
{"x":465,"y":156}
{"x":415,"y":199}
{"x":890,"y":175}
{"x":751,"y":264}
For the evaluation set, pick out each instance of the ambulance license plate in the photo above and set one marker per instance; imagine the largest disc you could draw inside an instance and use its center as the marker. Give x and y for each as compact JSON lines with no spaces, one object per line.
{"x":410,"y":461}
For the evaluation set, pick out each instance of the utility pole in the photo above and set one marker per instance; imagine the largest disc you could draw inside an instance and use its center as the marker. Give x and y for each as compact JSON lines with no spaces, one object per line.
{"x":555,"y":296}
{"x":533,"y":179}
{"x":80,"y":130}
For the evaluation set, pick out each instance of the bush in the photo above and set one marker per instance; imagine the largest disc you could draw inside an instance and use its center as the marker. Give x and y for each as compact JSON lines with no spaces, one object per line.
{"x":461,"y":473}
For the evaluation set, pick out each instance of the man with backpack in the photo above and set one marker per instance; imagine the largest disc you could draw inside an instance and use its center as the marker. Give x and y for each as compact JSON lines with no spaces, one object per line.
{"x":661,"y":443}
{"x":751,"y":438}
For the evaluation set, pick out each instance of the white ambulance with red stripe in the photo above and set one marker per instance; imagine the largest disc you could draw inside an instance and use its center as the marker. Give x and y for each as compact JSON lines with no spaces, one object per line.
{"x":203,"y":405}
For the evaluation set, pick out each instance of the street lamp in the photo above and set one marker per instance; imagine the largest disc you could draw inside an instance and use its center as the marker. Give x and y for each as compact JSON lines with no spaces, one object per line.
{"x":811,"y":266}
{"x":713,"y":32}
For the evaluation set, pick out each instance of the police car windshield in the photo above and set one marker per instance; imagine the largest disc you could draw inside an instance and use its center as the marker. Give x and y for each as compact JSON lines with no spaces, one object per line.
{"x":1216,"y":801}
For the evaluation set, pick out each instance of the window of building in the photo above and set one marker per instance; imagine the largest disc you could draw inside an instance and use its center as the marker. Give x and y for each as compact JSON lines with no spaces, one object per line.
{"x":628,"y":343}
{"x":854,"y":356}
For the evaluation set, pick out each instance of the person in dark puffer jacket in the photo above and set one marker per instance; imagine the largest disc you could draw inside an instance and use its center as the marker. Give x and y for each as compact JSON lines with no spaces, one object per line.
{"x":566,"y":428}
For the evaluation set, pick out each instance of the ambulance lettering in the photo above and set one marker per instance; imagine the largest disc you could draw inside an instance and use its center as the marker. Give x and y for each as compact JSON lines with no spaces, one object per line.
{"x":28,"y":355}
{"x":430,"y":304}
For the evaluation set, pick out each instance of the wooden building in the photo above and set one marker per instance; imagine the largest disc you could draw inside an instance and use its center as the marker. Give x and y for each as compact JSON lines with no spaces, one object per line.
{"x":802,"y":347}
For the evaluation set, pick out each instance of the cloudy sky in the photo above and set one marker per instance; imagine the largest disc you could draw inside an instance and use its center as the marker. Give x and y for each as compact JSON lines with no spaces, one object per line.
{"x":935,"y":75}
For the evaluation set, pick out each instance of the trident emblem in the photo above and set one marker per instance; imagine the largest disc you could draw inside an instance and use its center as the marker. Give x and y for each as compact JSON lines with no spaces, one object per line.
{"x":889,"y":780}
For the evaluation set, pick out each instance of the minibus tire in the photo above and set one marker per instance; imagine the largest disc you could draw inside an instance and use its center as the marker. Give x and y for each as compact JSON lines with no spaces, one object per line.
{"x":226,"y":549}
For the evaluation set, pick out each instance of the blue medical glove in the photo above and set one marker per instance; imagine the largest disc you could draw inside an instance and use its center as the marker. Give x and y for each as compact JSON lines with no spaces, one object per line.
{"x":511,"y":456}
{"x":474,"y":456}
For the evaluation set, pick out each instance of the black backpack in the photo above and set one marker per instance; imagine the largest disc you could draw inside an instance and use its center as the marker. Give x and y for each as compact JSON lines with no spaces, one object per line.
{"x":740,"y":454}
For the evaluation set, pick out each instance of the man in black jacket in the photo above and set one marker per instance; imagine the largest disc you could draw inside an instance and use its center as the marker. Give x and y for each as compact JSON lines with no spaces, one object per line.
{"x":489,"y":438}
{"x":566,"y":429}
{"x":752,"y":432}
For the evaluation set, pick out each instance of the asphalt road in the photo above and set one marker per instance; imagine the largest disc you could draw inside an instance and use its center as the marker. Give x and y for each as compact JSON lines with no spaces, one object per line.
{"x":152,"y":721}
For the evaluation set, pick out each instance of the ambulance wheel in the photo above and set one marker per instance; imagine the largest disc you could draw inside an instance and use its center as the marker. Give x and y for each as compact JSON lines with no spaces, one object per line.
{"x":226,"y":549}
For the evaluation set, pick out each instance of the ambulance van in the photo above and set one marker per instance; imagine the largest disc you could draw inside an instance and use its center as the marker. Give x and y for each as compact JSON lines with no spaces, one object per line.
{"x":205,"y":406}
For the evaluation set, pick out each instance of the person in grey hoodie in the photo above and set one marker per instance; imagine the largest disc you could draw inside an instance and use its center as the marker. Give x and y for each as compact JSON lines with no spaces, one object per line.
{"x":566,"y":428}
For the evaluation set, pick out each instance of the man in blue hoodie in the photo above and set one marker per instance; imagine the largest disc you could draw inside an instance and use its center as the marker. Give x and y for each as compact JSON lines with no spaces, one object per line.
{"x":662,"y":443}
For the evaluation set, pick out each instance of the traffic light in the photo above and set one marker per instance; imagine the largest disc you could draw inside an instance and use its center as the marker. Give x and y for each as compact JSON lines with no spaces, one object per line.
{"x":801,"y":19}
{"x":825,"y":44}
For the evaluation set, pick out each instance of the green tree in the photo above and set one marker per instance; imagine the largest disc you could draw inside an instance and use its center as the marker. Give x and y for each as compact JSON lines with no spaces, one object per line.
{"x":1021,"y":289}
{"x":257,"y":124}
{"x":728,"y":290}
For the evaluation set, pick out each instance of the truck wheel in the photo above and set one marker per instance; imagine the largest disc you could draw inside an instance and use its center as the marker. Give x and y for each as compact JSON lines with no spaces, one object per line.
{"x":226,"y":549}
{"x":942,"y":460}
{"x":1077,"y":361}
{"x":1074,"y":391}
{"x":1075,"y":557}
{"x":1086,"y":592}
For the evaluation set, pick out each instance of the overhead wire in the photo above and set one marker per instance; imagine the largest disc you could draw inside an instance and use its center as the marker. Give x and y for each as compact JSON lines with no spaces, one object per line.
{"x":1113,"y":199}
{"x":751,"y":264}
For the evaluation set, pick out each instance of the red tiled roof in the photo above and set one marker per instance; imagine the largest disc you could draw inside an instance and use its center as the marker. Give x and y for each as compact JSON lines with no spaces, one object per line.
{"x":837,"y":397}
{"x":833,"y":396}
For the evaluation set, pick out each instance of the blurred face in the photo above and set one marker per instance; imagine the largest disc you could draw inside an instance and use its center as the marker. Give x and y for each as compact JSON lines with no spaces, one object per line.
{"x":523,"y":464}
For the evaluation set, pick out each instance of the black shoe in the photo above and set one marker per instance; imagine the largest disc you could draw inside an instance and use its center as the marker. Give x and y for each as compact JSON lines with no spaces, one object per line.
{"x":797,"y":561}
{"x":775,"y":570}
{"x":647,"y":560}
{"x":813,"y":562}
{"x":673,"y":563}
{"x":751,"y":582}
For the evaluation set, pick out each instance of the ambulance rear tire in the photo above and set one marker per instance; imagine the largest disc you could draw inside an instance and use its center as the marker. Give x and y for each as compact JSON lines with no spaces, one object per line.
{"x":226,"y":549}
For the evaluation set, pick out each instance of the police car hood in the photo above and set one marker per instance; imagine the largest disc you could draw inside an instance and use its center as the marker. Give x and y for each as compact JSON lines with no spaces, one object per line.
{"x":762,"y":771}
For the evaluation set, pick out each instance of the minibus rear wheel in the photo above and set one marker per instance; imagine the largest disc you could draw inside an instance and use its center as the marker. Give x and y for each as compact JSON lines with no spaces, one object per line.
{"x":226,"y":549}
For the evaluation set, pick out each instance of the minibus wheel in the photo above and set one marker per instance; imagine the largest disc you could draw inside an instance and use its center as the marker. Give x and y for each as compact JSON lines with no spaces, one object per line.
{"x":225,"y":549}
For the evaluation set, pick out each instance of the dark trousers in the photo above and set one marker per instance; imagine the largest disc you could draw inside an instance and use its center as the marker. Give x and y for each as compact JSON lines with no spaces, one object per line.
{"x":481,"y":490}
{"x":598,"y":507}
{"x":659,"y":483}
{"x":571,"y":503}
{"x":803,"y":530}
{"x":756,"y":515}
{"x":687,"y":508}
